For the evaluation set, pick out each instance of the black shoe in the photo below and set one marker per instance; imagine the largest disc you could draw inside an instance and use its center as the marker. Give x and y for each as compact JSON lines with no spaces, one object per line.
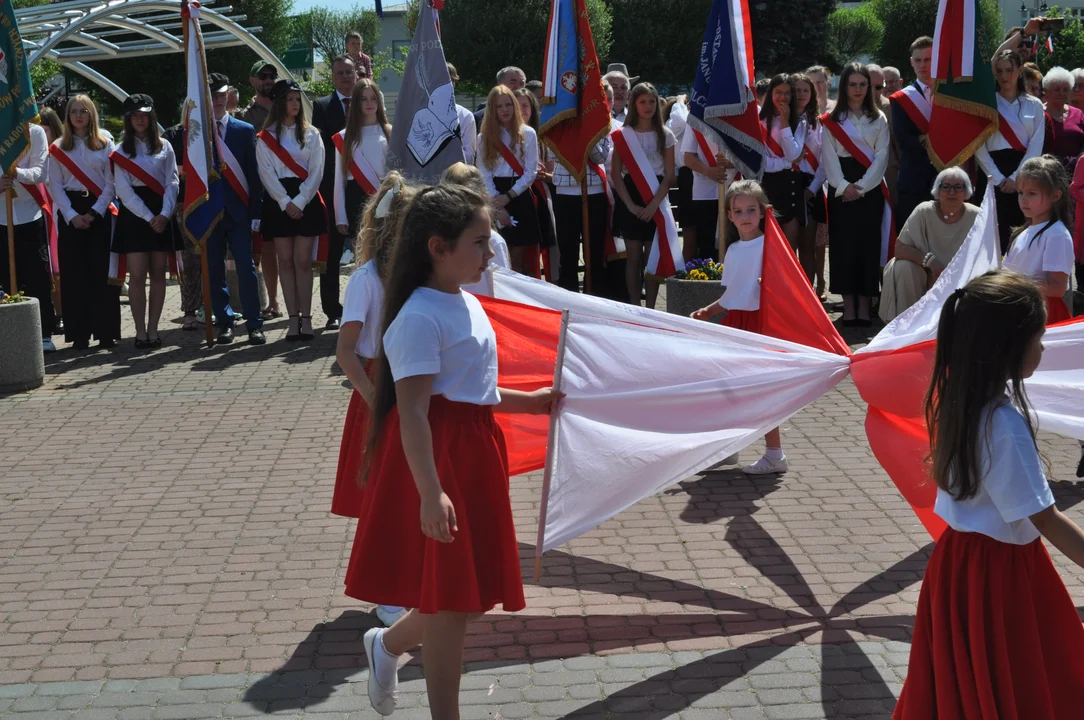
{"x":155,"y":343}
{"x":306,"y":336}
{"x":853,"y":322}
{"x":256,"y":337}
{"x":80,"y":344}
{"x":1080,"y":466}
{"x":291,"y":336}
{"x":107,"y":344}
{"x":142,"y":343}
{"x":225,"y":335}
{"x":333,"y":324}
{"x":864,"y":322}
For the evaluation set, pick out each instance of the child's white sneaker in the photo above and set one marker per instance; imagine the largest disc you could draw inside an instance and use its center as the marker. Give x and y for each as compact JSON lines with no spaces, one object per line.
{"x":764,"y":466}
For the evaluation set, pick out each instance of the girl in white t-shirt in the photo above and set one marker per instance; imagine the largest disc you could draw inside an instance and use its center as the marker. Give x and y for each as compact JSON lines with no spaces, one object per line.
{"x":435,"y":531}
{"x":637,"y":221}
{"x":996,"y":633}
{"x":1043,"y":248}
{"x":359,"y":342}
{"x":746,"y":210}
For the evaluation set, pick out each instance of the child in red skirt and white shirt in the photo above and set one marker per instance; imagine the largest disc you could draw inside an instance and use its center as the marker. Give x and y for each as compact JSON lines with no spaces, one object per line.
{"x":359,"y":342}
{"x":996,"y":633}
{"x":746,"y":210}
{"x":435,"y":530}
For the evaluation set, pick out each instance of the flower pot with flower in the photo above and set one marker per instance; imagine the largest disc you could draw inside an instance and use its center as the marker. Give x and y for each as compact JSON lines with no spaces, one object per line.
{"x":694,"y":286}
{"x":22,"y":362}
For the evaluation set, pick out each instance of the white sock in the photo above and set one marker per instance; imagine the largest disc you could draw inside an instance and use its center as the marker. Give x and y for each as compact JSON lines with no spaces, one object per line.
{"x":774,"y":454}
{"x":387,"y":665}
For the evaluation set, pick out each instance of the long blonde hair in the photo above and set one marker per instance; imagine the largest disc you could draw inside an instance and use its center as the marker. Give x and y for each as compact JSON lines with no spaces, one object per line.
{"x":376,"y":239}
{"x":491,"y":126}
{"x":94,"y":140}
{"x":352,"y":134}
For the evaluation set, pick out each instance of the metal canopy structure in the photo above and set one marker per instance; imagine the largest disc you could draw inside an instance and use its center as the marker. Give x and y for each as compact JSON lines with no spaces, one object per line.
{"x":80,"y":31}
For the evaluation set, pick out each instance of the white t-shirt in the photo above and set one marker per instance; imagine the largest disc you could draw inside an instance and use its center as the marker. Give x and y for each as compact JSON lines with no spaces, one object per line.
{"x":741,"y":274}
{"x":500,"y":259}
{"x":447,"y":335}
{"x":1051,"y":252}
{"x":704,"y":188}
{"x":649,"y":141}
{"x":1012,"y":488}
{"x":364,"y":303}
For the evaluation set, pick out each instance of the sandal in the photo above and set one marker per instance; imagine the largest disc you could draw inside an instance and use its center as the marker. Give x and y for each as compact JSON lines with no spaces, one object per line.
{"x":295,"y":336}
{"x":269,"y":314}
{"x":306,"y":336}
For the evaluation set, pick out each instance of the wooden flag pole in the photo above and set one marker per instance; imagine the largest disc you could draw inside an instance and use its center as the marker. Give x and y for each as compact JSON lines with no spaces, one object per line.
{"x":586,"y":237}
{"x":208,"y":311}
{"x":551,"y":451}
{"x":721,"y":224}
{"x":14,"y":287}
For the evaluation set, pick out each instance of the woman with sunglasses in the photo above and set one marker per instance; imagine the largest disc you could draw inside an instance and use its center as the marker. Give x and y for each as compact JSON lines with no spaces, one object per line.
{"x":290,"y":154}
{"x":81,"y":185}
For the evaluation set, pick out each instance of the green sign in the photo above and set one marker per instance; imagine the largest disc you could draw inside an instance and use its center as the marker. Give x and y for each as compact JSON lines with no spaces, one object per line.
{"x":298,"y":55}
{"x":17,"y":104}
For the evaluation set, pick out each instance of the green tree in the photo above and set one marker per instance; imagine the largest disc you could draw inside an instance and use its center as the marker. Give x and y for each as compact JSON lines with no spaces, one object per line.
{"x":162,"y":76}
{"x":919,"y":18}
{"x":854,"y":32}
{"x":329,"y":28}
{"x":513,"y":34}
{"x":790,"y":36}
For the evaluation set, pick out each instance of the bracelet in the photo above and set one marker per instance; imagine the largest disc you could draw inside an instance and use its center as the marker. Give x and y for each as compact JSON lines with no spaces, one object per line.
{"x":926,"y":261}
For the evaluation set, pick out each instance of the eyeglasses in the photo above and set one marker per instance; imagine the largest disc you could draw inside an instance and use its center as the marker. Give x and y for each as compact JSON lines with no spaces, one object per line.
{"x":78,"y":111}
{"x":268,"y":76}
{"x":878,"y":88}
{"x":945,"y":187}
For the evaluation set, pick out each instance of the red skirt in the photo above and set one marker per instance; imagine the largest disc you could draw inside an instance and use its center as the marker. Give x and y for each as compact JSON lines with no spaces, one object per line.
{"x":1056,"y":312}
{"x":748,"y":320}
{"x":996,"y":636}
{"x":393,"y":563}
{"x":347,"y":498}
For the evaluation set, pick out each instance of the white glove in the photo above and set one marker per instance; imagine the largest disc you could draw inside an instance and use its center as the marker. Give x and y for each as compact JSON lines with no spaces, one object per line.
{"x":255,"y":226}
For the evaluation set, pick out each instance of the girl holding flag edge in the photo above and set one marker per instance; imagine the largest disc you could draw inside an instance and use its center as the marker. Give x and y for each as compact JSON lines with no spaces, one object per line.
{"x":81,"y":185}
{"x":291,"y":159}
{"x":146,"y":181}
{"x":361,"y":149}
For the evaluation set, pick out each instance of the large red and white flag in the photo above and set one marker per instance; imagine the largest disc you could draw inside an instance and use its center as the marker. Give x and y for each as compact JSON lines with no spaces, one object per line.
{"x":204,"y":198}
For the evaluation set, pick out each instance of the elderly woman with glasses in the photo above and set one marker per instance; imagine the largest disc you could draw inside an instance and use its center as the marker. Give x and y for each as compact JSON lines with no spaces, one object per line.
{"x":932,"y":235}
{"x":1064,"y":123}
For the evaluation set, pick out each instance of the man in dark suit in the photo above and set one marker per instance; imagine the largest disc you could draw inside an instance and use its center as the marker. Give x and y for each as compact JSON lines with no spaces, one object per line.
{"x":909,"y":106}
{"x":239,"y":221}
{"x":329,"y":116}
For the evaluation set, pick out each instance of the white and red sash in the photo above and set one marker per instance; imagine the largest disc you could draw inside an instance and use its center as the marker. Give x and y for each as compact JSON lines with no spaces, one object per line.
{"x":542,"y":202}
{"x":320,"y":247}
{"x":1010,"y":127}
{"x":917,"y":107}
{"x":117,"y":263}
{"x":811,"y":156}
{"x":235,"y":175}
{"x":361,"y":169}
{"x":40,"y":194}
{"x":665,"y":258}
{"x":613,"y":247}
{"x":775,"y":147}
{"x":705,"y":149}
{"x":846,"y":134}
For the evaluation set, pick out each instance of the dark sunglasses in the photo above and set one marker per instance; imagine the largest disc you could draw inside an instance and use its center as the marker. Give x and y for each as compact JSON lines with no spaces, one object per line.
{"x":268,"y":76}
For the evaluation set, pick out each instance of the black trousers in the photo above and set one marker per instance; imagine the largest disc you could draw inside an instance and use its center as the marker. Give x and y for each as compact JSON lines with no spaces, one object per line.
{"x":31,"y":268}
{"x":329,"y":279}
{"x":568,"y":211}
{"x":91,"y":304}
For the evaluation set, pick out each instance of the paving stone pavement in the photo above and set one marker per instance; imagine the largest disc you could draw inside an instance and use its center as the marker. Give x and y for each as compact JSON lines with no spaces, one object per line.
{"x":166,"y":551}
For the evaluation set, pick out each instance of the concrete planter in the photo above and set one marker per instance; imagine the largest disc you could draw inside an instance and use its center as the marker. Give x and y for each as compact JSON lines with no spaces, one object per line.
{"x":683,"y":297}
{"x":22,"y":362}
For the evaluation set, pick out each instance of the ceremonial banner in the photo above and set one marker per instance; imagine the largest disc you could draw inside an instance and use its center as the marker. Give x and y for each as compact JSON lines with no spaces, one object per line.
{"x":204,"y":192}
{"x":574,"y":111}
{"x":964,"y":111}
{"x":723,"y":102}
{"x":425,"y":138}
{"x":18,"y":107}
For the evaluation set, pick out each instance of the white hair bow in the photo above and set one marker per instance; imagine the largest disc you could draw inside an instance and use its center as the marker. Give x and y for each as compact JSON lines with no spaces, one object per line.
{"x":384,"y":206}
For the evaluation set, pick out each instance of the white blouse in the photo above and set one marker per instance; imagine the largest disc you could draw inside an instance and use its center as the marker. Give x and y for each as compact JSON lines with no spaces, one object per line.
{"x":742,"y":267}
{"x":678,"y":124}
{"x":95,"y":163}
{"x":468,"y":133}
{"x":791,"y":142}
{"x":162,"y":166}
{"x":649,"y":141}
{"x":1029,"y":111}
{"x":527,"y":153}
{"x":814,"y":140}
{"x":874,"y":134}
{"x":310,"y":157}
{"x":30,"y":170}
{"x":374,"y":148}
{"x":565,"y":184}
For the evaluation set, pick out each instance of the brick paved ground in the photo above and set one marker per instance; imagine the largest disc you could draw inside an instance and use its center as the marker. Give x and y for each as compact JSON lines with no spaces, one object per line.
{"x":166,"y":552}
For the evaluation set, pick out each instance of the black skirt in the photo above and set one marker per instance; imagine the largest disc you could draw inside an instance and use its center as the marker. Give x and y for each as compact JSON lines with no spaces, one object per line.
{"x":356,"y":200}
{"x":704,"y":216}
{"x":526,"y":231}
{"x":816,"y":208}
{"x":275,"y":223}
{"x":135,"y":235}
{"x":684,"y":196}
{"x":854,"y":237}
{"x":635,"y":229}
{"x":1009,"y":214}
{"x":786,"y":192}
